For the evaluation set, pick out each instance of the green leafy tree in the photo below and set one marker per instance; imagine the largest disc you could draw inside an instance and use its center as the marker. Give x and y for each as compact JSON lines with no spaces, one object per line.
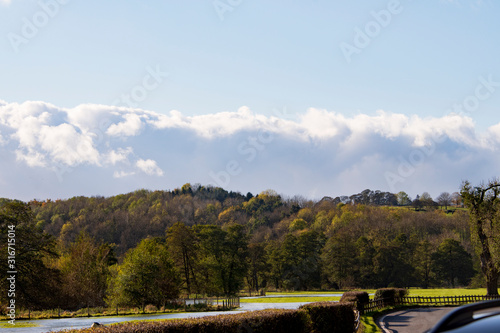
{"x":483,"y":202}
{"x":364,"y":262}
{"x":31,"y":251}
{"x":422,"y":261}
{"x":183,"y":245}
{"x":298,"y":224}
{"x":276,"y":262}
{"x":339,"y":259}
{"x":393,"y":263}
{"x":403,"y":199}
{"x":223,"y":259}
{"x":310,"y":244}
{"x":452,"y":263}
{"x":147,"y":276}
{"x":85,"y":270}
{"x":258,"y":266}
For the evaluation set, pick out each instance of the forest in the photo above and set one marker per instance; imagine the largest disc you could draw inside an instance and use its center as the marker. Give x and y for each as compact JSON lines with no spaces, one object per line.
{"x":147,"y":247}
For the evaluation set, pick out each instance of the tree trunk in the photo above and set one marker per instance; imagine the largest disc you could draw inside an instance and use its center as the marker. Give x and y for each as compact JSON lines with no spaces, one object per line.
{"x":492,"y":283}
{"x":487,"y":263}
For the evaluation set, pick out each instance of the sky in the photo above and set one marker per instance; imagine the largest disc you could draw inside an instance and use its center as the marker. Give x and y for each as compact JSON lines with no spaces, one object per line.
{"x":313,"y":98}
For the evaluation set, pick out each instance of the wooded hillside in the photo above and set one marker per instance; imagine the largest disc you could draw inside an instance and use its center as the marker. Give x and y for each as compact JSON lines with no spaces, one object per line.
{"x":206,"y":240}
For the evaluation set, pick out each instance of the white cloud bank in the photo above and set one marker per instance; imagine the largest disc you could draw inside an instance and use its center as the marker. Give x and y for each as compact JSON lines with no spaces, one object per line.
{"x":48,"y":151}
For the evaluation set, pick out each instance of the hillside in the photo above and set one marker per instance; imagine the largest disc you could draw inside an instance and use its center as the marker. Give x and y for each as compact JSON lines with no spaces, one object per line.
{"x":220,"y":242}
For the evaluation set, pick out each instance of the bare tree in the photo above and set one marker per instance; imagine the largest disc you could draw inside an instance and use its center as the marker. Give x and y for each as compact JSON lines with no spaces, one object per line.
{"x":444,"y":199}
{"x":456,"y":199}
{"x":483,"y":202}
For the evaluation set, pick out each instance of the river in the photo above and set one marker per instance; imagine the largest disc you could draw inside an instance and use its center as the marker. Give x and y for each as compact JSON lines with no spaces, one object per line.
{"x":48,"y":325}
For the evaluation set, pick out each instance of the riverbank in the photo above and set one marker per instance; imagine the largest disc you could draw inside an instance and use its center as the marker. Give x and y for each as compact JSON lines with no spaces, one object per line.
{"x":112,"y":312}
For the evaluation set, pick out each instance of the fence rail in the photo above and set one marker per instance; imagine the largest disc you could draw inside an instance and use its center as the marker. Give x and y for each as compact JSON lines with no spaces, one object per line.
{"x":224,"y":302}
{"x":426,"y":301}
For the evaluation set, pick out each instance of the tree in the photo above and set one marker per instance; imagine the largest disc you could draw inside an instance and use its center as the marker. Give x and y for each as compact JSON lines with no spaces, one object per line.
{"x":37,"y":283}
{"x":223,"y":258}
{"x":426,"y":200}
{"x":483,"y":202}
{"x":364,"y":261}
{"x":452,"y":263}
{"x":302,"y":261}
{"x":392,"y":263}
{"x":297,"y":224}
{"x":422,"y":261}
{"x":258,"y":266}
{"x":183,"y":245}
{"x":403,"y":199}
{"x":417,"y":203}
{"x":339,"y":259}
{"x":456,"y":199}
{"x":444,"y":199}
{"x":147,"y":276}
{"x":85,"y":271}
{"x":276,"y":261}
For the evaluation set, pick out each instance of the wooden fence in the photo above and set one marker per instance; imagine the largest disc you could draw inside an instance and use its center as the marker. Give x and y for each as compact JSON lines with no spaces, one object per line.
{"x":222,"y":302}
{"x":425,"y":301}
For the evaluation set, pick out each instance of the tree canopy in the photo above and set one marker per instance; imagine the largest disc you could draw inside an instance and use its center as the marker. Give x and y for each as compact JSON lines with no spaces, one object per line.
{"x":145,"y":247}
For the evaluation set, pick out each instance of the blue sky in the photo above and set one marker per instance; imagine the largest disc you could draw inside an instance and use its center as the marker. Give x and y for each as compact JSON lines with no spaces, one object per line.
{"x":395,"y":71}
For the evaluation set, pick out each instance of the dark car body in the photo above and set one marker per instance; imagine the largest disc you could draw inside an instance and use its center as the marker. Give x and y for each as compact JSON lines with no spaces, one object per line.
{"x":482,"y":317}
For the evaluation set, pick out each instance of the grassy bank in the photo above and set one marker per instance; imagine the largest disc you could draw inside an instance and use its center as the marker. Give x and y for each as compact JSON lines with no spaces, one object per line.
{"x":291,"y":299}
{"x":106,"y":312}
{"x":17,"y":325}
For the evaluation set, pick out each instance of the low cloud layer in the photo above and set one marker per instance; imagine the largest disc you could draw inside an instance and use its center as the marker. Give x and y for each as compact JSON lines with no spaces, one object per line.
{"x":53,"y":152}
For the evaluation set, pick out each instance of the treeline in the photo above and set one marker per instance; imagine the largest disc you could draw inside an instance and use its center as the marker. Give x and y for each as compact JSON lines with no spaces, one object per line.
{"x":147,"y":247}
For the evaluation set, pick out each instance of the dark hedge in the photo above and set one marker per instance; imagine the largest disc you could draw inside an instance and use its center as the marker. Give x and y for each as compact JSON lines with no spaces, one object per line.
{"x":329,"y":317}
{"x":389,"y":295}
{"x":360,"y":298}
{"x":275,"y":321}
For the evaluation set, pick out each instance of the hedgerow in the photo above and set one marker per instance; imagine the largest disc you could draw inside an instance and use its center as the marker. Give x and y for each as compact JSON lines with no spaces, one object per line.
{"x":388,"y":295}
{"x":315,"y":317}
{"x":359,"y":298}
{"x":330,"y":317}
{"x":276,"y":321}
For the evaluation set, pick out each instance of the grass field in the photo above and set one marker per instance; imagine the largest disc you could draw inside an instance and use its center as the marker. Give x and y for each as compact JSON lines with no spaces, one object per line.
{"x":17,"y":325}
{"x":290,"y":299}
{"x":447,"y":292}
{"x":297,"y":296}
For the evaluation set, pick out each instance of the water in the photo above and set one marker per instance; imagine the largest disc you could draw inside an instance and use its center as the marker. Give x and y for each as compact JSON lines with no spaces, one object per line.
{"x":52,"y":325}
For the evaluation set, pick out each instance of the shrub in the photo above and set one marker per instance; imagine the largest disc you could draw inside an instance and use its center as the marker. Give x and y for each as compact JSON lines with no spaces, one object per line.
{"x":390,"y":294}
{"x":151,"y":308}
{"x":330,"y":317}
{"x":359,"y":298}
{"x":276,"y":321}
